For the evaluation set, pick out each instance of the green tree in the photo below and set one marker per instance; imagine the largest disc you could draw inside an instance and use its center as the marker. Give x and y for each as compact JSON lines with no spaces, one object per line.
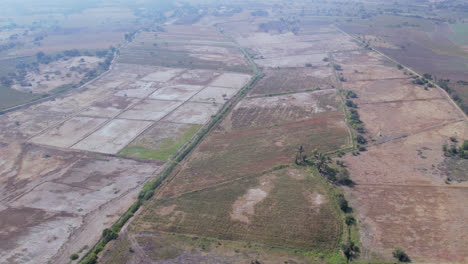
{"x":350,"y":250}
{"x":401,"y":255}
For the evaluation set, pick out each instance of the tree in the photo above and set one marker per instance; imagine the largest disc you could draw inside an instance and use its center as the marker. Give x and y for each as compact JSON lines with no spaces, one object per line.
{"x":350,"y":250}
{"x":427,"y":76}
{"x":74,"y":256}
{"x":299,"y":156}
{"x":361,"y":140}
{"x":399,"y":254}
{"x":350,"y":220}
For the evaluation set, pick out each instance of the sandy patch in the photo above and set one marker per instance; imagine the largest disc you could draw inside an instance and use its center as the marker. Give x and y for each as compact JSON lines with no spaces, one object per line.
{"x":244,"y":206}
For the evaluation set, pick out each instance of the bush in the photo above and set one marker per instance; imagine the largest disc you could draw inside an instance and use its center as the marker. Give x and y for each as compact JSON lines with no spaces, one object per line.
{"x":400,"y":67}
{"x":399,"y":254}
{"x":74,"y":256}
{"x":89,"y":259}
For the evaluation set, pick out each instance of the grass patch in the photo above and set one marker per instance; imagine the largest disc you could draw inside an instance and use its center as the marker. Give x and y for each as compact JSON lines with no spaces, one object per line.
{"x":285,"y":218}
{"x":461,"y":34}
{"x":167,"y":148}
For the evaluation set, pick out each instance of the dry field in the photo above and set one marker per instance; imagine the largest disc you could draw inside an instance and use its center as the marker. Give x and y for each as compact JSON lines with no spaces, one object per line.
{"x":402,"y":198}
{"x":63,"y":168}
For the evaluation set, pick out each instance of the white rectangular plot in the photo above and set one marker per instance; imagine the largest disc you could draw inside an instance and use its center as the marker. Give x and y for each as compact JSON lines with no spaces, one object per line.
{"x":176,"y":92}
{"x":150,"y":110}
{"x":69,"y":132}
{"x":193,"y":113}
{"x":113,"y":136}
{"x":231,"y":80}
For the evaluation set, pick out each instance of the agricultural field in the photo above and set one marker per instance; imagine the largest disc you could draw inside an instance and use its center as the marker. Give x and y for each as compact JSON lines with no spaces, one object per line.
{"x":228,"y":193}
{"x":72,"y":165}
{"x":401,"y":180}
{"x":248,"y":132}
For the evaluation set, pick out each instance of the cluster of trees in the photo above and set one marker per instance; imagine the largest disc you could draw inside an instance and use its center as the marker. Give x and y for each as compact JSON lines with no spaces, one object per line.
{"x":355,"y":121}
{"x":454,"y":150}
{"x":336,"y":174}
{"x":444,"y":84}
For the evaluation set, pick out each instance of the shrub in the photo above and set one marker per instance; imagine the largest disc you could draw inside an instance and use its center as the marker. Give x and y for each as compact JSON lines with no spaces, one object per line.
{"x":400,"y":67}
{"x":89,"y":259}
{"x":399,"y":254}
{"x":74,"y":256}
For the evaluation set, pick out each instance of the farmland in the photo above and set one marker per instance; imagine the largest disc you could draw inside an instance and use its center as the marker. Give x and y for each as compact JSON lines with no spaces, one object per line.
{"x":227,"y":192}
{"x":247,"y":132}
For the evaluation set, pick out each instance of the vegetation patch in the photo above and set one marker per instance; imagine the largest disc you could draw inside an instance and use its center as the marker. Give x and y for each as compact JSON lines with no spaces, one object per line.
{"x":162,"y":149}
